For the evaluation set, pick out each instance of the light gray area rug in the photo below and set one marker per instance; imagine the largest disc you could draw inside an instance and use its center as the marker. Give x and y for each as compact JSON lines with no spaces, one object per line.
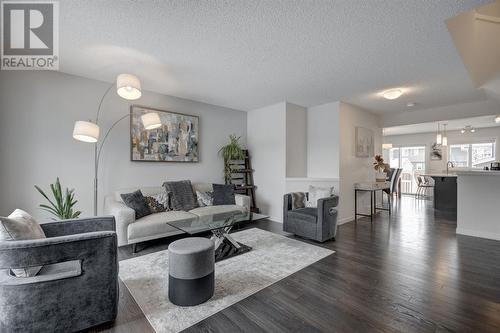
{"x":272,"y":258}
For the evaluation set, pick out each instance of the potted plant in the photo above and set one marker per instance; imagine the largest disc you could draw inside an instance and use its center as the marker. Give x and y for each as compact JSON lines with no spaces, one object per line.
{"x":381,"y":169}
{"x":232,"y":151}
{"x":62,"y":204}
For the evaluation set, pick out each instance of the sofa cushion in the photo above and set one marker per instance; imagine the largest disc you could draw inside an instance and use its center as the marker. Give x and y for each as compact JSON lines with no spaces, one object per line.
{"x":205,"y":198}
{"x":137,"y":202}
{"x":156,"y":225}
{"x":159,"y":202}
{"x":223,"y":194}
{"x":183,"y":197}
{"x":212,"y":210}
{"x":21,"y":226}
{"x":298,"y":200}
{"x":308,"y":214}
{"x":316,"y":193}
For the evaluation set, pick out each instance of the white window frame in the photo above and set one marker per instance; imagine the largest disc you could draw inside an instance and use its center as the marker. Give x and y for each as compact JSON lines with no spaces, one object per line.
{"x":469,"y":144}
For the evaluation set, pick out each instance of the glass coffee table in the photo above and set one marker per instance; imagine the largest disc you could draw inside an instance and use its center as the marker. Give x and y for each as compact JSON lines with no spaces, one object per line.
{"x":220,"y":225}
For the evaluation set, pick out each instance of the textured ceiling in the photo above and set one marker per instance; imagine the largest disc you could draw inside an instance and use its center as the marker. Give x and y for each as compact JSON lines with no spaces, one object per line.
{"x":249,"y":54}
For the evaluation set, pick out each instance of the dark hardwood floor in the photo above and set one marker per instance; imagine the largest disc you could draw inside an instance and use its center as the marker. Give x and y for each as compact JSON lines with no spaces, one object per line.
{"x":406,"y":273}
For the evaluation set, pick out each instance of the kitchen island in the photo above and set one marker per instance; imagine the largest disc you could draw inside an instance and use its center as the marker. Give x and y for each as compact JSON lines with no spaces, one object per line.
{"x":445,"y":192}
{"x":478,"y":212}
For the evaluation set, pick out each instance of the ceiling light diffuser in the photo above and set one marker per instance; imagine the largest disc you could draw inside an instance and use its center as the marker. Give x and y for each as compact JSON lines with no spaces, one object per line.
{"x":392,"y":94}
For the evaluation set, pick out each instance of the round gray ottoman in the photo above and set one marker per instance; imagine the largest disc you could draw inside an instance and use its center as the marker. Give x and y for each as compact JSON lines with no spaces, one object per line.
{"x":191,"y":263}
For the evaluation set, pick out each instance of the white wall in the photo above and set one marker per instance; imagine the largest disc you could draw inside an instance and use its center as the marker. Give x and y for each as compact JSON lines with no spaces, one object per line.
{"x":323,"y":141}
{"x":37,"y":113}
{"x":266,"y":140}
{"x":454,"y":137}
{"x":296,"y":140}
{"x":355,"y":169}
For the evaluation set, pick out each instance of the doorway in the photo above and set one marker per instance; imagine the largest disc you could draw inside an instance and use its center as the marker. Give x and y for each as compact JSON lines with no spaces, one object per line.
{"x":412,"y":160}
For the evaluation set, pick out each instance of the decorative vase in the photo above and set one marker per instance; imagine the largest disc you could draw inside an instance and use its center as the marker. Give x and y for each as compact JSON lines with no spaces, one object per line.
{"x":380,"y":176}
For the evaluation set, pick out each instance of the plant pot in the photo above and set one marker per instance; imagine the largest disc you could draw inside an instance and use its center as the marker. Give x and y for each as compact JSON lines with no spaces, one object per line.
{"x":380,"y":176}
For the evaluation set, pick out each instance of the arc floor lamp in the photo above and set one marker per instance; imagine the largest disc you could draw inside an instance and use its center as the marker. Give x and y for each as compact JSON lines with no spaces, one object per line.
{"x":127,"y":87}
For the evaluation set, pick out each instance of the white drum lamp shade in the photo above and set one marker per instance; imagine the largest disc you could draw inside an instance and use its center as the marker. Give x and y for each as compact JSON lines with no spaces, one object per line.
{"x":128,"y":86}
{"x":86,"y":131}
{"x":151,"y":120}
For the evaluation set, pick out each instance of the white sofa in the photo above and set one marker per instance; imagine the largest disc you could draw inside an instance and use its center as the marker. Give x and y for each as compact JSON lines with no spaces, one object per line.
{"x":132,"y":231}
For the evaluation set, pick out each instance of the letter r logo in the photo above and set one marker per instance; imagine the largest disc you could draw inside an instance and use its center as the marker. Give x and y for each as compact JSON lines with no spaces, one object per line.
{"x":28,"y":28}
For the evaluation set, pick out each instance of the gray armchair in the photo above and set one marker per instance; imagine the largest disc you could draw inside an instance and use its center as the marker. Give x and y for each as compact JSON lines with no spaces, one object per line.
{"x":77,"y":287}
{"x":319,"y":224}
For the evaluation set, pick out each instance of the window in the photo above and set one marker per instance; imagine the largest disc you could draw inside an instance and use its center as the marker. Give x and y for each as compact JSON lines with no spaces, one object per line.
{"x":472,"y":155}
{"x":412,"y":160}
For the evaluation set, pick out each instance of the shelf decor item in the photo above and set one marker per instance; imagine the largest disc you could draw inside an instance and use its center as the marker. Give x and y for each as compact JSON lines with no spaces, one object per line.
{"x":231,"y":152}
{"x":175,"y":140}
{"x":381,"y":169}
{"x":127,"y":87}
{"x":62,"y":204}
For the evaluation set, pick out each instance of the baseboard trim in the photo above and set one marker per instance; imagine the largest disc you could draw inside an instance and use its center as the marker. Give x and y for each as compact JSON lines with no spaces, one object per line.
{"x":480,"y":234}
{"x":345,"y":220}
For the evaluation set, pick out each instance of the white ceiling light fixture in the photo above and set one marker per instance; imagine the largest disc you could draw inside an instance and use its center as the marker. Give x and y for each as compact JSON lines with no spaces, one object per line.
{"x":497,"y":119}
{"x":468,"y":128}
{"x":392,"y":94}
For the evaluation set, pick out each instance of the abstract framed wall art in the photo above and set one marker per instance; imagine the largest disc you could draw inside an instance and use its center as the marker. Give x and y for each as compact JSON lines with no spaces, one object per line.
{"x":176,"y":140}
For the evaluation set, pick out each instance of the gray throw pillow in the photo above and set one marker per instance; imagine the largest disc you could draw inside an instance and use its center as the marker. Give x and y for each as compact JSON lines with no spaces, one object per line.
{"x":183,"y":197}
{"x":205,"y":198}
{"x":137,"y":202}
{"x":298,"y":200}
{"x":21,"y":226}
{"x":223,"y":194}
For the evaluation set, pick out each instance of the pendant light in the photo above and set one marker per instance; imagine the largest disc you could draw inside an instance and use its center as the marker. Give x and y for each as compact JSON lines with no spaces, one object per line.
{"x":445,"y":138}
{"x":439,"y":137}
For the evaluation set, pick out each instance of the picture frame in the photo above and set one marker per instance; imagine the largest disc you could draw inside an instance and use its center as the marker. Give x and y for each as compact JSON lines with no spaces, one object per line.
{"x":364,"y":142}
{"x":177,"y":140}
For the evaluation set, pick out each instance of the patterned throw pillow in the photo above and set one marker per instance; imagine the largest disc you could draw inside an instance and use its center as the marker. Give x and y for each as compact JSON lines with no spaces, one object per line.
{"x":205,"y":198}
{"x":298,"y":200}
{"x":158,"y":203}
{"x":316,"y":193}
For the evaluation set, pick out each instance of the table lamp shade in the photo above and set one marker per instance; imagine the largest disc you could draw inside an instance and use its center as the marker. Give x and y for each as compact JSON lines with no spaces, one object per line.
{"x":86,"y":131}
{"x":128,"y":86}
{"x":151,"y":120}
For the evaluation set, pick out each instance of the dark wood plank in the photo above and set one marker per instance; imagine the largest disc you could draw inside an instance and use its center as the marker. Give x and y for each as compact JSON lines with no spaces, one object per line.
{"x":406,"y":273}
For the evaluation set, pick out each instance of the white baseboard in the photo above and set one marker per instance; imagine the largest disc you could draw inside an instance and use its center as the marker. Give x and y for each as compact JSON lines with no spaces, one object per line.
{"x":275,"y":219}
{"x":480,"y":234}
{"x":345,"y":220}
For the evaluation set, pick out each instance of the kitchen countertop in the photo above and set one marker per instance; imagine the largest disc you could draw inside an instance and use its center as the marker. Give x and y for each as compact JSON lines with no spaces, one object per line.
{"x":478,"y":173}
{"x":440,"y":175}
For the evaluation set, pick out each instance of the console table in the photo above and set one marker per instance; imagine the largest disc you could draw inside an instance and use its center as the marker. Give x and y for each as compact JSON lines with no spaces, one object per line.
{"x":371,"y":187}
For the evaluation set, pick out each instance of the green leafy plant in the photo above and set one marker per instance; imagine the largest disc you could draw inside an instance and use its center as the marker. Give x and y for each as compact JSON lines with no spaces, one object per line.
{"x":62,"y":204}
{"x":232,"y":151}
